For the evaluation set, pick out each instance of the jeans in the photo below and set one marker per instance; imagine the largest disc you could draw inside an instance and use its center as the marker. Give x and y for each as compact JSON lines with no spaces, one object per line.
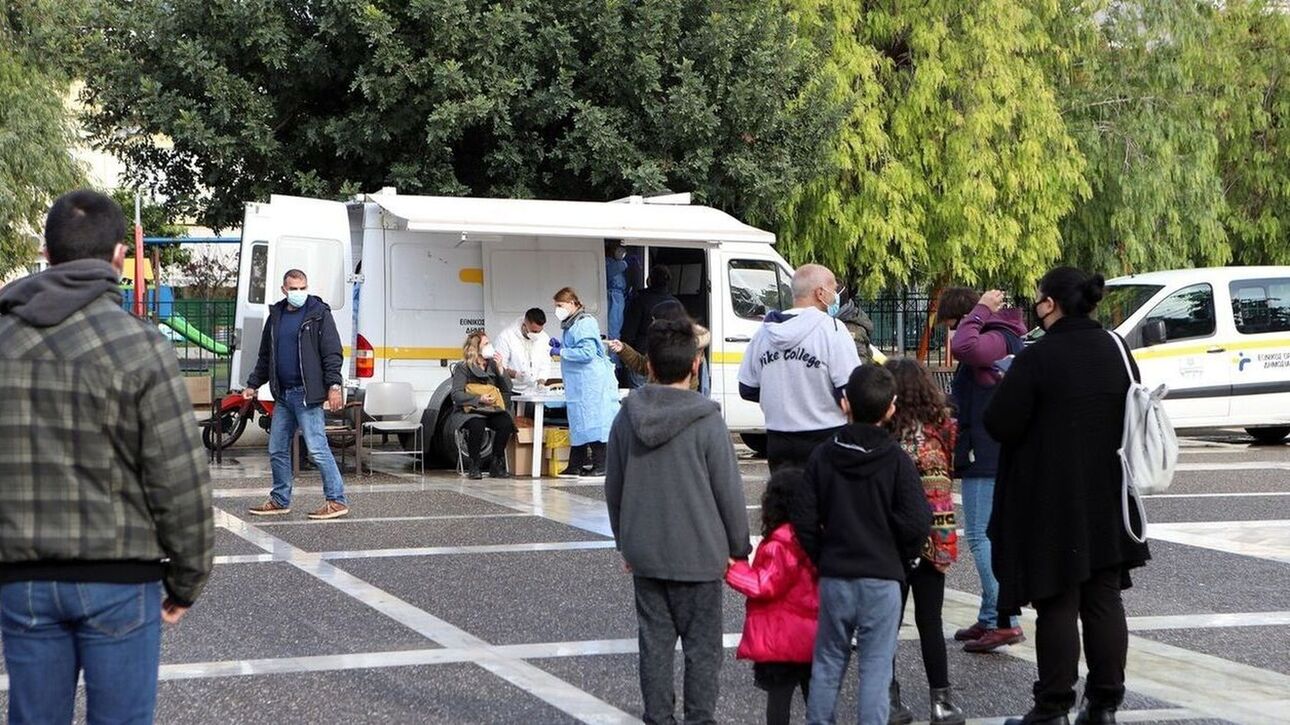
{"x":978,"y":502}
{"x":666,"y":610}
{"x":289,"y":414}
{"x":54,"y":630}
{"x":871,"y":609}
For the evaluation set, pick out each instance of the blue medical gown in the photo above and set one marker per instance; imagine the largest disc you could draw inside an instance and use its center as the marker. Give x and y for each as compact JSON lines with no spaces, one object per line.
{"x":589,"y":383}
{"x":616,"y":276}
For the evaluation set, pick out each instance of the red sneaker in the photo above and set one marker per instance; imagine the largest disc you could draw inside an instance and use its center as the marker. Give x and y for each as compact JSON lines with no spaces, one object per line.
{"x":994,"y":639}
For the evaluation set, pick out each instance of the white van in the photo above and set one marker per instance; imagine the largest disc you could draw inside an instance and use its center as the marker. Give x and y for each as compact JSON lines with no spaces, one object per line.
{"x":1219,"y":337}
{"x":407,"y":277}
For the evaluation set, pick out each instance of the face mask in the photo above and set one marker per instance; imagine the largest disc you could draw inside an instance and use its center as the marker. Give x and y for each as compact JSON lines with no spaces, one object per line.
{"x":620,"y":254}
{"x":1038,"y":317}
{"x":836,"y":306}
{"x":562,"y":313}
{"x":488,"y":351}
{"x":297,"y":297}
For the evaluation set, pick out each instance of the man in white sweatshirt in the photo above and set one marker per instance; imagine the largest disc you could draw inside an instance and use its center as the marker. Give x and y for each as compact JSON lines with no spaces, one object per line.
{"x":525,"y":349}
{"x":797,"y":366}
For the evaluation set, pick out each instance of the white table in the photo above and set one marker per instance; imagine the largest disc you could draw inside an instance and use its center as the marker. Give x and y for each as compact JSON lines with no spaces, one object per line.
{"x":539,"y":400}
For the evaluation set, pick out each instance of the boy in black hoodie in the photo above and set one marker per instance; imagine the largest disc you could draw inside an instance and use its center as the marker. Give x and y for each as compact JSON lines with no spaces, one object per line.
{"x":863,"y":519}
{"x":676,"y":506}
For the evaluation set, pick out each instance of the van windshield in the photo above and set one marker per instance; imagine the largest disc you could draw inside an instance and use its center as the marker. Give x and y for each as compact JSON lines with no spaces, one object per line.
{"x":1121,"y":301}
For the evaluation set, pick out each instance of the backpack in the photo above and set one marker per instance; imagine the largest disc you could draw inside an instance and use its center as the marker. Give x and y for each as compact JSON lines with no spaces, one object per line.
{"x":1149,"y":449}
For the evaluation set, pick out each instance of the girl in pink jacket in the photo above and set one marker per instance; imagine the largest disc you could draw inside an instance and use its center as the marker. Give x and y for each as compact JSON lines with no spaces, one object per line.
{"x":783,"y":602}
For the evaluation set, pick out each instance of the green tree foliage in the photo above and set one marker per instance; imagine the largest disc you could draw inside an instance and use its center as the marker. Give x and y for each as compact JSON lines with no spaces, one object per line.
{"x":541,"y":98}
{"x":1133,"y":89}
{"x":955,"y":162}
{"x":36,"y":136}
{"x":1253,"y":114}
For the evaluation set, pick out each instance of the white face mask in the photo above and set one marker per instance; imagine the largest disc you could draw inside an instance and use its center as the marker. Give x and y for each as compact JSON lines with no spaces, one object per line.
{"x":488,"y":351}
{"x":562,"y":313}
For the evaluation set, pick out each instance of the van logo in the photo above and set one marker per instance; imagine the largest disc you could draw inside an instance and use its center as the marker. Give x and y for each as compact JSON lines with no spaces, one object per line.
{"x":1240,"y":366}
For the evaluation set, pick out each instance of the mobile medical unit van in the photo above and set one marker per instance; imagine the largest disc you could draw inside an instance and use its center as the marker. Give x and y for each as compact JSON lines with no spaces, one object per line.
{"x":408,"y":277}
{"x":1219,"y":337}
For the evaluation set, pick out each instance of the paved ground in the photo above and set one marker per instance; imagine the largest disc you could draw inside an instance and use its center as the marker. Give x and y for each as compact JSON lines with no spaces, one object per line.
{"x":447,"y":601}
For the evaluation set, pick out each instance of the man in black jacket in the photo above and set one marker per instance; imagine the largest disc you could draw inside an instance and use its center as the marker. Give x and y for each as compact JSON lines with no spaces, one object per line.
{"x":300,"y":358}
{"x":640,"y":312}
{"x":862,"y":517}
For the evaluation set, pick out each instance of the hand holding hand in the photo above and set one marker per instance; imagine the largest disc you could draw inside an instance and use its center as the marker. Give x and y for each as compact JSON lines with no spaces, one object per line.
{"x":994,"y":299}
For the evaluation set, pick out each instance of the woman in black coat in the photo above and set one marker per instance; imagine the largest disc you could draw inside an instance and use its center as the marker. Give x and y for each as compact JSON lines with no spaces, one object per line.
{"x":1057,"y":527}
{"x":481,"y":394}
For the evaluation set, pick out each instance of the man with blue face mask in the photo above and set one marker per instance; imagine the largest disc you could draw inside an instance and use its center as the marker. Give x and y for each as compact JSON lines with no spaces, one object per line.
{"x":797,"y":366}
{"x":300,"y":359}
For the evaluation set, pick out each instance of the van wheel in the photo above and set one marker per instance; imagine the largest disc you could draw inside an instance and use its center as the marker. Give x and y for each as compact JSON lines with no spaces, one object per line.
{"x":755,"y":441}
{"x":1268,"y":436}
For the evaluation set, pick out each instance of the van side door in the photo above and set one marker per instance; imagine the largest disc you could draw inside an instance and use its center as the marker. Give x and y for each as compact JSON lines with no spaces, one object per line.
{"x":1261,"y":354}
{"x":1192,"y":359}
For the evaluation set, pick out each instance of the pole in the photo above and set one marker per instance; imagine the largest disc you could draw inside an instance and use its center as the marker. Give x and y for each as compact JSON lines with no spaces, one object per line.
{"x":900,"y":321}
{"x":139,"y":286}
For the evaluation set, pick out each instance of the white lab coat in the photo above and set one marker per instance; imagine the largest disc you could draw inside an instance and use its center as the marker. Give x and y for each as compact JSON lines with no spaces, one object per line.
{"x":530,"y":357}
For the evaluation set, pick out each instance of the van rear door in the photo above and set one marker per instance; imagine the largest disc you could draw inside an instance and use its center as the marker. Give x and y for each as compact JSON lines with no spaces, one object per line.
{"x":311,"y":235}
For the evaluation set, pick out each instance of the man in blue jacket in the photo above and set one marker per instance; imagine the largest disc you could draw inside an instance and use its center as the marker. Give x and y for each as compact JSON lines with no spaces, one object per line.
{"x":300,"y":358}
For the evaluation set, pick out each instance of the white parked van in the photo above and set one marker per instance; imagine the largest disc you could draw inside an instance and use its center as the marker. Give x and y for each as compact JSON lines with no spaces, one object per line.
{"x":1218,"y":337}
{"x":407,"y":277}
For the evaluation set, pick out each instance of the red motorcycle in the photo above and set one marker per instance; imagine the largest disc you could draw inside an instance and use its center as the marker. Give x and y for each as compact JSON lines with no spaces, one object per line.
{"x":231,"y":418}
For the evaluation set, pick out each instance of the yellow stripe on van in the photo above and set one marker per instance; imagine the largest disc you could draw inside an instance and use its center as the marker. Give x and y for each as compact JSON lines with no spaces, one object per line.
{"x":1230,"y":344}
{"x":727,"y":358}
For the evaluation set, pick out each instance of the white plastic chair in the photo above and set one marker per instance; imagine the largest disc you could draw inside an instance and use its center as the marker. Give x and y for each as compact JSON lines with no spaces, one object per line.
{"x":394,"y":410}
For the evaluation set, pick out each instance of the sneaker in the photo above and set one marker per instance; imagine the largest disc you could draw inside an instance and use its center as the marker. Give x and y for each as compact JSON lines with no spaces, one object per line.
{"x":994,"y":639}
{"x":269,"y":508}
{"x":330,"y":510}
{"x":969,"y":634}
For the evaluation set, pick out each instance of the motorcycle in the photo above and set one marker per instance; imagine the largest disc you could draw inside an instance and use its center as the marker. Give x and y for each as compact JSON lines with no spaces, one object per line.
{"x":234,"y":412}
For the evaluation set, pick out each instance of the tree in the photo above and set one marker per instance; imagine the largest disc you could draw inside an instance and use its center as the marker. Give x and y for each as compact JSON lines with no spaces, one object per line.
{"x":158,"y":221}
{"x":36,"y":135}
{"x":1132,"y":93}
{"x":540,"y":98}
{"x":1253,"y":120}
{"x":954,"y":162}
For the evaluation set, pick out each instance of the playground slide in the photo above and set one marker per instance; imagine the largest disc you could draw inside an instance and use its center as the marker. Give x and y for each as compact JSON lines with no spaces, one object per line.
{"x":180,"y":326}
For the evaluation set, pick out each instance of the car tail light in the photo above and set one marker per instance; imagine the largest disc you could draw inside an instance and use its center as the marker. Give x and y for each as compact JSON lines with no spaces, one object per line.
{"x":364,"y":358}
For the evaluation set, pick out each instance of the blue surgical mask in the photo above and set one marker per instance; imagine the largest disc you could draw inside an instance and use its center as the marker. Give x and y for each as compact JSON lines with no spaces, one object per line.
{"x":836,"y":306}
{"x":297,"y":297}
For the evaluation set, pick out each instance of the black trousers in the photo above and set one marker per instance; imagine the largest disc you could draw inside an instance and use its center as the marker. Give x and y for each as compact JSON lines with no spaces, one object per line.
{"x":784,"y":449}
{"x":503,"y":427}
{"x":1097,"y":604}
{"x":928,"y":586}
{"x":666,"y":610}
{"x":780,"y":680}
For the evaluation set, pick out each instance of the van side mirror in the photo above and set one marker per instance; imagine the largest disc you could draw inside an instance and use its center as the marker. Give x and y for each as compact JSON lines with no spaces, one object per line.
{"x":1154,"y":332}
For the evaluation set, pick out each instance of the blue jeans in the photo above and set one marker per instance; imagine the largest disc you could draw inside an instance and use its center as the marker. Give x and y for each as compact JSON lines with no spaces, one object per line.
{"x":871,"y":609}
{"x":54,"y":630}
{"x":978,"y":502}
{"x":291,"y":413}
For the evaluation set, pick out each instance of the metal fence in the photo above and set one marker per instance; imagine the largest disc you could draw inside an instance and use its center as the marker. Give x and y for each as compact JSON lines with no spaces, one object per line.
{"x":201,"y":332}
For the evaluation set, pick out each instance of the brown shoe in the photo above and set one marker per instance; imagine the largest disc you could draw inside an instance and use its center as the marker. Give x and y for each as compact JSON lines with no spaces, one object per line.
{"x":330,"y":510}
{"x":994,"y":639}
{"x":969,"y":634}
{"x":269,"y":508}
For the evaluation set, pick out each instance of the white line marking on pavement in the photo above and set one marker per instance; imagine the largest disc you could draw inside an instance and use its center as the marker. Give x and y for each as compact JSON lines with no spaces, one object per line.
{"x":389,"y":519}
{"x":1259,"y":539}
{"x":523,"y":675}
{"x":1208,"y":621}
{"x":423,"y":551}
{"x":1242,"y":494}
{"x":1202,"y":683}
{"x":1236,"y":466}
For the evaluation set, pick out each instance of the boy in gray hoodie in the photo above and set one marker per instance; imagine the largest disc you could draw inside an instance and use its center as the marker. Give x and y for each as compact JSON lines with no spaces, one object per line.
{"x":676,"y":506}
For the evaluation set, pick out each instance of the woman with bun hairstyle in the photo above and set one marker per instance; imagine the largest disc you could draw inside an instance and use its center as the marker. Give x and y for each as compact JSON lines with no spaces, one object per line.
{"x":1057,"y":528}
{"x":590,"y":389}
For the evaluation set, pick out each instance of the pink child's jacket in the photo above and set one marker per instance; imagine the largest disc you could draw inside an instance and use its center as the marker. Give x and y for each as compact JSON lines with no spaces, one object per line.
{"x":783,"y":600}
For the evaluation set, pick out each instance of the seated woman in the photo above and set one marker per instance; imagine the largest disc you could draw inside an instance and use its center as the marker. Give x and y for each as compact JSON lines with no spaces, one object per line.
{"x":634,"y":360}
{"x":481,"y":394}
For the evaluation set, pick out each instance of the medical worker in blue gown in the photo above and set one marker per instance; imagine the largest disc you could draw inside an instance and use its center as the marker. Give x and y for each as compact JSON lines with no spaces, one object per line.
{"x":616,"y":282}
{"x":589,"y":385}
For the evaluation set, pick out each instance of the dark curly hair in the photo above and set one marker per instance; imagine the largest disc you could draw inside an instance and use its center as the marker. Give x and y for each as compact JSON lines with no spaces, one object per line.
{"x":919,"y":399}
{"x":777,"y":500}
